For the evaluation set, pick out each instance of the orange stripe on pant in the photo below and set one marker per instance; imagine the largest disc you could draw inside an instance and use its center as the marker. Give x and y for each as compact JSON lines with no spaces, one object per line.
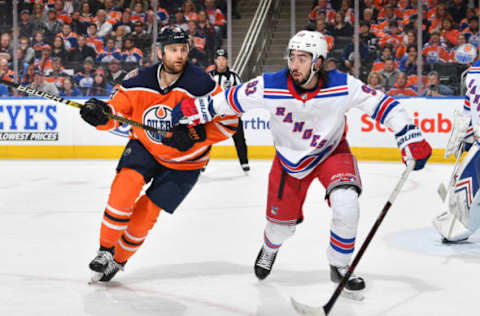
{"x":125,"y":189}
{"x":145,"y":214}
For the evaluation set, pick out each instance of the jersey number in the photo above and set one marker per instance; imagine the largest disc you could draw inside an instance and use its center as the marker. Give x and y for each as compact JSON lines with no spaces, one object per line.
{"x":251,"y":87}
{"x":369,"y":90}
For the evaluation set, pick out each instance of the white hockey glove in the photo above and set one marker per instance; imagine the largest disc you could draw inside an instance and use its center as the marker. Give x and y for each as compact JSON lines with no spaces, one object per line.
{"x":462,"y":132}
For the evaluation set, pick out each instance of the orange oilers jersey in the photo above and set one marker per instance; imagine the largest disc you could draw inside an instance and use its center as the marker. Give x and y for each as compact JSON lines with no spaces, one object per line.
{"x":141,"y":99}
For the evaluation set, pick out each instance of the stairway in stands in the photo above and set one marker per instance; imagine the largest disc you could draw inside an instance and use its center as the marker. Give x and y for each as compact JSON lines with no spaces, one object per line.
{"x":247,"y":9}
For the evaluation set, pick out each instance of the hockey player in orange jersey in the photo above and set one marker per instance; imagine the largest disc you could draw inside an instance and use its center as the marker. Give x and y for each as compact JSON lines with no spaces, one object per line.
{"x":172,"y":163}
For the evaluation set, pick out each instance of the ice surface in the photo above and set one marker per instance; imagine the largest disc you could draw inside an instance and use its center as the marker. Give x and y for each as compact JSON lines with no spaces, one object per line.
{"x":200,"y":260}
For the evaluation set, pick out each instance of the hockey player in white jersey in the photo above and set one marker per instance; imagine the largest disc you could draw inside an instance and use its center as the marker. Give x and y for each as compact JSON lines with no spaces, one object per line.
{"x":462,"y":218}
{"x":307,"y":108}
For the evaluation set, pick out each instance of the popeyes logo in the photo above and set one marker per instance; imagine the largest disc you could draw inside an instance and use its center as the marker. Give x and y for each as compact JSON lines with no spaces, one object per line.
{"x":437,"y":124}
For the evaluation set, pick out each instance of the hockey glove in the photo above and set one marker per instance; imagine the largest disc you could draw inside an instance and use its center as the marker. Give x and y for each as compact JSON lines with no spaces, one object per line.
{"x":93,"y":112}
{"x":411,"y":143}
{"x":462,"y":132}
{"x":184,"y":137}
{"x":193,"y":111}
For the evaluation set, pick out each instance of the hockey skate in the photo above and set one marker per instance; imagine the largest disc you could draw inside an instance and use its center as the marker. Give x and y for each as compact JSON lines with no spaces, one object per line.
{"x":354,"y":286}
{"x":264,"y":263}
{"x":104,"y":267}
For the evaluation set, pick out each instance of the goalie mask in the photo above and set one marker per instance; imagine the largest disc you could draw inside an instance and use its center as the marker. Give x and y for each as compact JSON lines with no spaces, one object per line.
{"x":311,"y":42}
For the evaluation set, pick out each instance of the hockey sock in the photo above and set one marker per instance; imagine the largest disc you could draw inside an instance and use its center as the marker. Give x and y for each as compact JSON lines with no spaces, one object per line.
{"x":344,"y":203}
{"x":145,"y":214}
{"x":276,"y":234}
{"x":124,"y":191}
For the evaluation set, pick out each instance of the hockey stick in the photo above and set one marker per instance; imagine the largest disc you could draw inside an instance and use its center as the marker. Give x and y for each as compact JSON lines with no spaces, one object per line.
{"x":442,"y":191}
{"x":325,"y":309}
{"x":59,"y":99}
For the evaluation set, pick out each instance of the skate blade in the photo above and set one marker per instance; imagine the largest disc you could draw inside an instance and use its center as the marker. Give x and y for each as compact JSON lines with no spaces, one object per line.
{"x":303,"y":309}
{"x":96,"y":276}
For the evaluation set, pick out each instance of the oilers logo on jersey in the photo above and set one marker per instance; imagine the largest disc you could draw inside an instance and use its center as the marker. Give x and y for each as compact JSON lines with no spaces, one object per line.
{"x":158,"y":116}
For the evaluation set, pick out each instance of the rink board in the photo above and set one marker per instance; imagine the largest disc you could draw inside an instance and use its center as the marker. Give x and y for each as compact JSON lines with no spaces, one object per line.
{"x":33,"y":128}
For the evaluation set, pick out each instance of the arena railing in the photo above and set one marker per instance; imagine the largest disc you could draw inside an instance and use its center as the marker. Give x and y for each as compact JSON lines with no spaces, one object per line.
{"x":253,"y":52}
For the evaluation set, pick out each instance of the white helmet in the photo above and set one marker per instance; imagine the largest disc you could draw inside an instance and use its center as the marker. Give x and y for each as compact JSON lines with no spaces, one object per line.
{"x":309,"y":41}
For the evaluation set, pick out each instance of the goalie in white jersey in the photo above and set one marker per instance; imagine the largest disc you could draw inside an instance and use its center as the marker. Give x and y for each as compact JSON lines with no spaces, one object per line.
{"x":462,"y":218}
{"x":307,"y":108}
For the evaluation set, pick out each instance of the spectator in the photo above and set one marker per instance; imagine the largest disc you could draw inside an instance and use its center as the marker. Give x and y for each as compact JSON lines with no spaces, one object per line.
{"x":84,"y":79}
{"x":408,"y":63}
{"x":40,"y":84}
{"x":80,"y":53}
{"x":322,"y":7}
{"x":434,"y":88}
{"x":28,"y":77}
{"x":104,"y":27}
{"x":449,"y":34}
{"x":61,"y":13}
{"x":85,"y":14}
{"x":321,"y":27}
{"x":347,"y":11}
{"x":112,"y":14}
{"x":93,"y":39}
{"x":367,"y":37}
{"x":109,"y":53}
{"x":115,"y":73}
{"x":26,"y":27}
{"x":411,"y":36}
{"x":331,"y":64}
{"x":392,"y":36}
{"x":100,"y":87}
{"x":138,"y":14}
{"x":179,"y":19}
{"x":142,"y":40}
{"x":120,"y":35}
{"x":39,"y":15}
{"x":52,"y":26}
{"x":5,"y":50}
{"x":125,"y":21}
{"x":341,"y":28}
{"x":471,"y":33}
{"x":150,"y":22}
{"x":189,"y":11}
{"x":389,"y":74}
{"x":464,"y":23}
{"x":209,"y":33}
{"x":28,"y":52}
{"x":68,"y":89}
{"x":388,"y":13}
{"x":437,"y":19}
{"x":197,"y":54}
{"x":347,"y":55}
{"x":375,"y":81}
{"x":57,"y":73}
{"x":5,"y":72}
{"x":131,"y":54}
{"x":435,"y":51}
{"x":379,"y":63}
{"x":22,"y":65}
{"x":78,"y":26}
{"x":458,"y":10}
{"x":38,"y":43}
{"x":45,"y":61}
{"x":217,"y":20}
{"x":58,"y":49}
{"x":68,"y":6}
{"x":369,"y":16}
{"x":70,"y":39}
{"x":400,"y":87}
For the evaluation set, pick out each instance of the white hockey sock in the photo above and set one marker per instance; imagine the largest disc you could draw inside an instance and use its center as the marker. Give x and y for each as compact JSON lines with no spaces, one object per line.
{"x":276,"y":234}
{"x":345,"y":208}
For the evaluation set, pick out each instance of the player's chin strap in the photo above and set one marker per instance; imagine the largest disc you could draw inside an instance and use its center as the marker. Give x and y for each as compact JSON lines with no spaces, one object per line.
{"x":313,"y":71}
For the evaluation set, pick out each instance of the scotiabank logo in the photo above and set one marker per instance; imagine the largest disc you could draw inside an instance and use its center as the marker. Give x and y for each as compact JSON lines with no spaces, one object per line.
{"x":437,"y":124}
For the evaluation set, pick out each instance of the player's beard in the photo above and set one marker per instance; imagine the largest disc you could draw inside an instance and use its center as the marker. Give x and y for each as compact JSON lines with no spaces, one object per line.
{"x":173,"y":69}
{"x":300,"y":82}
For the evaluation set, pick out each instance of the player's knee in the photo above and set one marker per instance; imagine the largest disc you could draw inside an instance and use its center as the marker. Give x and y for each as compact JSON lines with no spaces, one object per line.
{"x":279,"y":233}
{"x":144,"y":217}
{"x":344,"y":202}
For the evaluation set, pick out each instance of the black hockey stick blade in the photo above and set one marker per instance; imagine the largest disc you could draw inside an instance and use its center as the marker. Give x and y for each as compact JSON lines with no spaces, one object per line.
{"x":308,"y":310}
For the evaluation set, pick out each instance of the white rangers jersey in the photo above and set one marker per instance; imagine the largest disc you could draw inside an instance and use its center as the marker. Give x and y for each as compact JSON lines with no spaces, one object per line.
{"x":307,"y":126}
{"x":472,"y":97}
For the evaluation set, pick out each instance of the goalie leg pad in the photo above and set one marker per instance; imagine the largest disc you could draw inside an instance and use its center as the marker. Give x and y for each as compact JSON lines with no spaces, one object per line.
{"x":464,"y":194}
{"x":450,"y":227}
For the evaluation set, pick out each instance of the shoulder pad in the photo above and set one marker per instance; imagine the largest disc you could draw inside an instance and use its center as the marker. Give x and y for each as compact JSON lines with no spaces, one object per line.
{"x":196,"y":81}
{"x":336,"y":78}
{"x":276,"y":79}
{"x":142,"y":78}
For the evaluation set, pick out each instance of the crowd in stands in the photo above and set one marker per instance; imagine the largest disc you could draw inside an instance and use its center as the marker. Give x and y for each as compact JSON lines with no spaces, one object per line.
{"x":388,"y":42}
{"x":85,"y":47}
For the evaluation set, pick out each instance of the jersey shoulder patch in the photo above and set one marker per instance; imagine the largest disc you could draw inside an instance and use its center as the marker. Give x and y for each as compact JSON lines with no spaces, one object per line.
{"x":145,"y":77}
{"x":336,"y":78}
{"x":276,"y":80}
{"x":196,"y":81}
